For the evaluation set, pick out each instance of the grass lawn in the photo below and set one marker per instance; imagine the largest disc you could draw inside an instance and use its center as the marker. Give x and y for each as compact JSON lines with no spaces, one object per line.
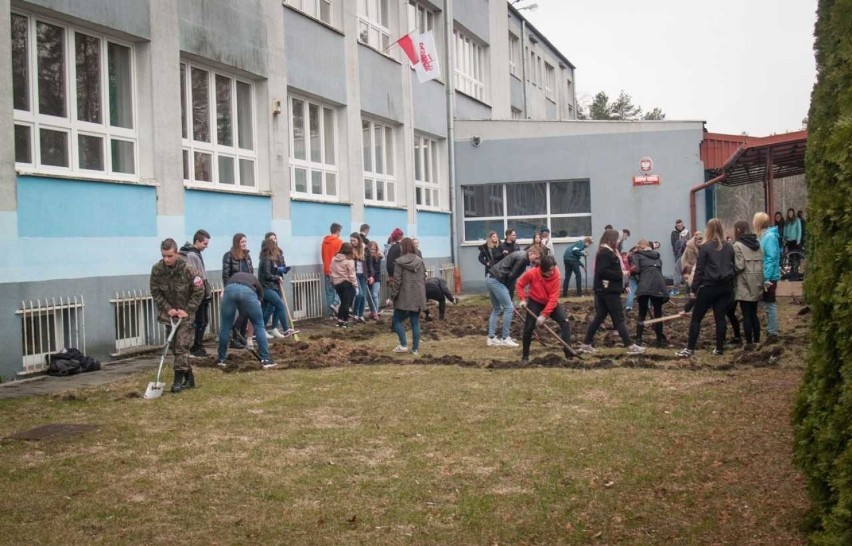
{"x":414,"y":454}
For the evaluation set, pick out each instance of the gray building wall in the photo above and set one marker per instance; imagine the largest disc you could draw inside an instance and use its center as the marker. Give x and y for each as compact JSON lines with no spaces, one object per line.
{"x":381,"y":85}
{"x":470,"y":108}
{"x":473,"y":16}
{"x":430,"y":107}
{"x":607,"y":154}
{"x":128,"y":16}
{"x":321,"y":68}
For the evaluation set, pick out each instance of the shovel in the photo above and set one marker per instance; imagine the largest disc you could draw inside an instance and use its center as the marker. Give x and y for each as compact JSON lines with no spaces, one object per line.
{"x":155,"y":388}
{"x":570,"y":350}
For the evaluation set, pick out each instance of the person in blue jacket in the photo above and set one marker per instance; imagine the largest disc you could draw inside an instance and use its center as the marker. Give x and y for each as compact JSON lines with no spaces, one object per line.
{"x":793,"y":238}
{"x":771,"y":270}
{"x":573,"y":254}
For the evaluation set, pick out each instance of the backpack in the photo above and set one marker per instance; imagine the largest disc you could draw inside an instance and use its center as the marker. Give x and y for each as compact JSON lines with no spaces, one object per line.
{"x":70,"y":362}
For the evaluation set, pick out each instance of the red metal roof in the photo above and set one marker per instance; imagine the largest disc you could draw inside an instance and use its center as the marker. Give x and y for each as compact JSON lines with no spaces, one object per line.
{"x":745,"y":159}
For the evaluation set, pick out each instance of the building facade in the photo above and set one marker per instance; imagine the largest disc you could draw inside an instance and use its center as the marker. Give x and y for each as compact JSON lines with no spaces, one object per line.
{"x":137,"y":120}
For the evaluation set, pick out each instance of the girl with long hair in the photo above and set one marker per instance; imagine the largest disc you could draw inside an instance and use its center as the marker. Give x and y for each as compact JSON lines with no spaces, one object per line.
{"x":269,"y":274}
{"x":490,"y":252}
{"x":358,"y":255}
{"x":408,"y":293}
{"x":374,"y":268}
{"x":768,"y":237}
{"x":608,"y":286}
{"x":345,"y":282}
{"x":237,"y":260}
{"x":712,"y":286}
{"x":650,"y":288}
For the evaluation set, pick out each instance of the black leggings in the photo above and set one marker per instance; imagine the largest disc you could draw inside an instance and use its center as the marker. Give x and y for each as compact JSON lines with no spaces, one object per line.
{"x":657,"y":303}
{"x":751,"y":324}
{"x":710,"y":297}
{"x":608,"y":303}
{"x":558,"y":314}
{"x":346,"y":293}
{"x":732,"y":317}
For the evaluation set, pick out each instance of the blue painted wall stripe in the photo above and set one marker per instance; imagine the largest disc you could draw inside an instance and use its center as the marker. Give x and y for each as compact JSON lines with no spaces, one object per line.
{"x":314,"y":219}
{"x":54,"y":207}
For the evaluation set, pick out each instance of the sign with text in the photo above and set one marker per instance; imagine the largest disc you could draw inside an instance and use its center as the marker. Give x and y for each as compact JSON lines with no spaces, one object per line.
{"x":646,"y":180}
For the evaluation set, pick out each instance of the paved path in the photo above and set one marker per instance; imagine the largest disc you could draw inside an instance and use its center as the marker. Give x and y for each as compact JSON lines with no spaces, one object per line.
{"x":109,"y":373}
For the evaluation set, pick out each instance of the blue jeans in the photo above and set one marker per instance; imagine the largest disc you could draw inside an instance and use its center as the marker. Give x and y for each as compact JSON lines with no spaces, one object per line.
{"x":331,"y":297}
{"x":273,"y":305}
{"x":239,"y":297}
{"x":500,"y":301}
{"x":375,"y":288}
{"x":572,"y":267}
{"x":362,"y":297}
{"x":398,"y":316}
{"x":632,"y":295}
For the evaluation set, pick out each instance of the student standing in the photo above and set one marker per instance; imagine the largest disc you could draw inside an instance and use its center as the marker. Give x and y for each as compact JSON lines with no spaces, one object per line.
{"x":771,"y":270}
{"x":360,"y":274}
{"x":608,"y":286}
{"x":650,"y":289}
{"x":491,"y":251}
{"x":192,"y":254}
{"x":345,"y":282}
{"x":237,"y":260}
{"x":408,"y":293}
{"x":748,"y":267}
{"x":331,"y":244}
{"x":575,"y":252}
{"x":546,"y":241}
{"x":542,"y":301}
{"x":269,"y":275}
{"x":712,"y":286}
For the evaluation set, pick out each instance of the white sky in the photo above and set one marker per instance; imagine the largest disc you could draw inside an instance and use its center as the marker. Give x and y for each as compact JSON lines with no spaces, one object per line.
{"x":739,"y":65}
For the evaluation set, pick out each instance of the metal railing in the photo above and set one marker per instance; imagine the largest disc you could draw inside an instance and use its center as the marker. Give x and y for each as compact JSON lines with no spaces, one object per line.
{"x":50,"y":326}
{"x":308,"y":293}
{"x":448,"y":274}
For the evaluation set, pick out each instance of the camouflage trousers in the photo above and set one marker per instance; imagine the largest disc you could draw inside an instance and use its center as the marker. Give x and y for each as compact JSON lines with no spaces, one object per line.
{"x":181,"y":343}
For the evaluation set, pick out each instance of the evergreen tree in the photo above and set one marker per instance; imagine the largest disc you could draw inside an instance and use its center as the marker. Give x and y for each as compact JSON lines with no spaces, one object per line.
{"x":823,"y":412}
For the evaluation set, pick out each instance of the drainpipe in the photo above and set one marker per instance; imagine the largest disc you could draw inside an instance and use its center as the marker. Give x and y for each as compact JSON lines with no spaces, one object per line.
{"x":524,"y":64}
{"x":451,"y":130}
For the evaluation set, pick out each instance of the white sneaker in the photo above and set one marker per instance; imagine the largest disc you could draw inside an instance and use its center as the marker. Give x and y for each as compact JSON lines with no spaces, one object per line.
{"x":290,"y":332}
{"x":400,"y":349}
{"x":494,"y":342}
{"x":509,"y":342}
{"x":635,"y":350}
{"x":275,"y":333}
{"x":587,"y":349}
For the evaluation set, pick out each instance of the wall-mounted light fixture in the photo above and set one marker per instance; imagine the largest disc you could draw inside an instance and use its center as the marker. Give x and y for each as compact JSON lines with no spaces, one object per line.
{"x":276,"y":107}
{"x":476,"y":141}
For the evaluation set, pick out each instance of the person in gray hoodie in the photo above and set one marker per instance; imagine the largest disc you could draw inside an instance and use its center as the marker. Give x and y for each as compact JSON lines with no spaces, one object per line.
{"x":192,"y":254}
{"x":408,"y":293}
{"x":748,"y":283}
{"x":650,"y":289}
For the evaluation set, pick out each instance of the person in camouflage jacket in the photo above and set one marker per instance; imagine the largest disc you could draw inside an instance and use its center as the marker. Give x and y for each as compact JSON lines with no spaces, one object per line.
{"x":177,"y":290}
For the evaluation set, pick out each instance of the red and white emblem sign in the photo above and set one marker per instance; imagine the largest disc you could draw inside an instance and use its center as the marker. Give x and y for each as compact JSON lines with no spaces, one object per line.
{"x":646,"y":164}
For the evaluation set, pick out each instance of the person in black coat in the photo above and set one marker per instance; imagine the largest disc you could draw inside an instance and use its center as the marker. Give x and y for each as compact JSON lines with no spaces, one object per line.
{"x":608,"y":286}
{"x":437,"y":290}
{"x":650,"y":288}
{"x":712,"y":286}
{"x":490,"y":252}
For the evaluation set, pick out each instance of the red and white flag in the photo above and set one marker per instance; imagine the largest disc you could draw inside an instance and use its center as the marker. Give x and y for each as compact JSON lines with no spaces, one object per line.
{"x":422,"y":54}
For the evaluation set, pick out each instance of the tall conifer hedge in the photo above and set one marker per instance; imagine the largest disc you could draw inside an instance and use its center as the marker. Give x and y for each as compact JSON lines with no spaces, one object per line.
{"x":823,"y":412}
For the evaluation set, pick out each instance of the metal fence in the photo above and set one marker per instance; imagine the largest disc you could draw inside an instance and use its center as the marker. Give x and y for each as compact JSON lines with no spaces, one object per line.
{"x":448,"y":274}
{"x":308,"y":293}
{"x":50,"y":326}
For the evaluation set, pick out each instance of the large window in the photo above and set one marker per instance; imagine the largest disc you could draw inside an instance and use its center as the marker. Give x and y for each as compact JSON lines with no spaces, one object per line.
{"x":514,"y":55}
{"x":427,"y":187}
{"x":379,"y":173}
{"x":73,"y":98}
{"x":470,"y":66}
{"x":564,"y":207}
{"x":373,"y":23}
{"x":217,"y":126}
{"x":549,"y":81}
{"x":313,"y":149}
{"x":318,"y":9}
{"x":420,"y":18}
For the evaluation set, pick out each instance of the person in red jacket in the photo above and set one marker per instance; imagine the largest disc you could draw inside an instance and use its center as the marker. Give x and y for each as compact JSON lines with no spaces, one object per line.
{"x":543,"y":301}
{"x":330,"y":247}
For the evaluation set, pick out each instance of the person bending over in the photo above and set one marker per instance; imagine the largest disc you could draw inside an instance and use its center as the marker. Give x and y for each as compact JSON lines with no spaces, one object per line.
{"x":437,"y":290}
{"x":542,"y":301}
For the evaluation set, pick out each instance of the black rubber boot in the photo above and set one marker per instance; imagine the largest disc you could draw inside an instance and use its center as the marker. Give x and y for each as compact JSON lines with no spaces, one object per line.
{"x":177,"y":386}
{"x":188,"y":380}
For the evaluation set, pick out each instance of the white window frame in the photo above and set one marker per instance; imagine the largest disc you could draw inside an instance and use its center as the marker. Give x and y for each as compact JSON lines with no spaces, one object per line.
{"x":214,"y":148}
{"x":421,"y":18}
{"x":514,"y":55}
{"x":549,"y":81}
{"x":505,"y":217}
{"x":370,"y":16}
{"x":69,"y":124}
{"x":470,"y":65}
{"x":314,"y":9}
{"x":322,"y":168}
{"x":427,"y":182}
{"x":387,"y":159}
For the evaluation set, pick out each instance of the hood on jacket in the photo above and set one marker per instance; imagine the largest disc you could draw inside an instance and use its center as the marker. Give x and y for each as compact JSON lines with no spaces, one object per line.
{"x":407,"y":261}
{"x":649,"y":253}
{"x":187,"y":247}
{"x":750,"y":240}
{"x":340,"y":258}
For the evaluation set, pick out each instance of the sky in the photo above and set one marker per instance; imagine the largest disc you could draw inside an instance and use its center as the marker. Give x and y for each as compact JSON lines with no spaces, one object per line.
{"x":740,"y":65}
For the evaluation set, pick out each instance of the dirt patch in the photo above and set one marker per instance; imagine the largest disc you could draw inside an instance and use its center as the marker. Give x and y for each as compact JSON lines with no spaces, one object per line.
{"x":53,"y":430}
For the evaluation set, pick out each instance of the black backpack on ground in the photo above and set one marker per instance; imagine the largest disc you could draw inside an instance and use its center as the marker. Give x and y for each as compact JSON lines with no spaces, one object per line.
{"x":70,"y":362}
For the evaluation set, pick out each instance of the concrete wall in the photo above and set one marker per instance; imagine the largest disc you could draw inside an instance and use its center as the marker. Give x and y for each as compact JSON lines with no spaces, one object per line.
{"x":128,"y":16}
{"x":319,"y":69}
{"x":472,"y":15}
{"x":381,"y":86}
{"x":607,"y":154}
{"x":429,"y":102}
{"x":470,"y":108}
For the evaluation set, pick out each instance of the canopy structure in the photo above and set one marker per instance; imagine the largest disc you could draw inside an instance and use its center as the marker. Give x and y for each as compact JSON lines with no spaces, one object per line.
{"x":735,"y":160}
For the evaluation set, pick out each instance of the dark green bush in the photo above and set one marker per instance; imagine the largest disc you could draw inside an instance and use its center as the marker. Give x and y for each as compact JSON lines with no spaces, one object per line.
{"x":823,"y":412}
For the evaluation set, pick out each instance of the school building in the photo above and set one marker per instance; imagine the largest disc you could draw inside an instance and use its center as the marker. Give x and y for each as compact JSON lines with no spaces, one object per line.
{"x":130,"y":121}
